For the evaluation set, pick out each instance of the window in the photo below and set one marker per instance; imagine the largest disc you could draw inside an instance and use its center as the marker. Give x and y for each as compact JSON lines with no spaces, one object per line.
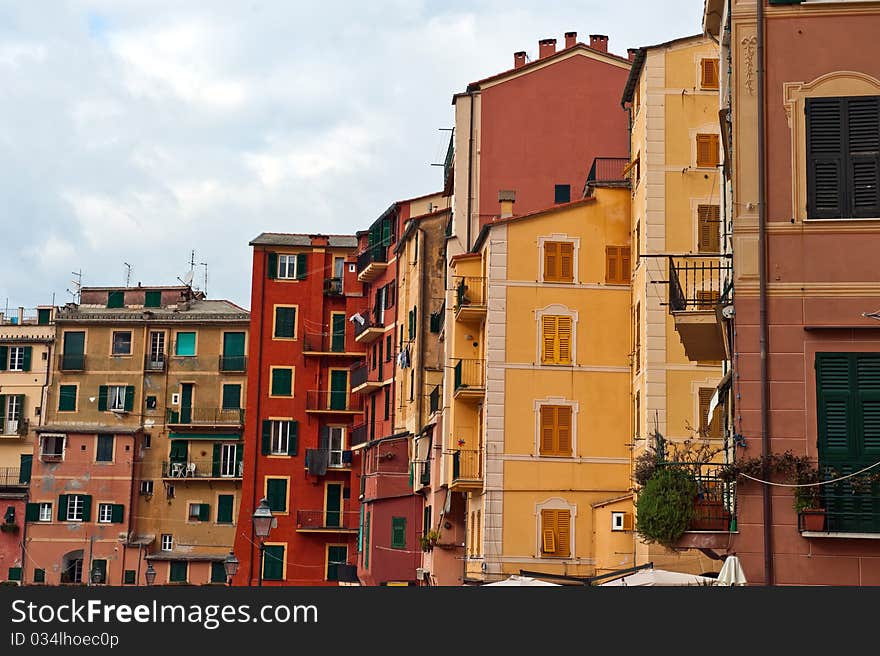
{"x":177,"y":571}
{"x":185,"y":344}
{"x":52,"y":447}
{"x":555,"y":339}
{"x":617,"y":265}
{"x":336,"y":444}
{"x":398,"y":532}
{"x":147,"y":441}
{"x":637,"y":415}
{"x":116,"y":299}
{"x":146,"y":487}
{"x":336,"y":555}
{"x":843,"y":157}
{"x":105,"y":513}
{"x":338,"y":267}
{"x":75,"y":506}
{"x":167,"y":542}
{"x":67,"y":398}
{"x":129,"y":577}
{"x":388,"y":349}
{"x":224,"y":508}
{"x":282,"y":381}
{"x":621,"y":521}
{"x":637,"y":338}
{"x":199,"y":512}
{"x":709,"y":73}
{"x":121,"y":342}
{"x":285,"y":322}
{"x":116,"y":398}
{"x":289,"y":266}
{"x":16,"y":358}
{"x":708,"y":228}
{"x":218,"y":573}
{"x":555,"y":533}
{"x":153,"y":299}
{"x":274,"y":558}
{"x":707,"y":429}
{"x":104,"y":452}
{"x":11,"y":406}
{"x":562,"y":193}
{"x":555,"y":430}
{"x":276,"y":493}
{"x":707,"y":150}
{"x":39,"y":576}
{"x":558,"y":261}
{"x":281,"y":438}
{"x":232,"y":397}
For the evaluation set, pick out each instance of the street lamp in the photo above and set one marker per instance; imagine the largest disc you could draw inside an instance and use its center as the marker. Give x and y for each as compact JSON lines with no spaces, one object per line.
{"x":150,"y":574}
{"x":263,"y":523}
{"x":230,"y":564}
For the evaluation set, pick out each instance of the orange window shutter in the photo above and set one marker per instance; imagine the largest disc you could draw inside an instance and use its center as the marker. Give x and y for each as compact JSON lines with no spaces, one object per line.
{"x":706,"y":428}
{"x":625,"y":264}
{"x":709,"y":217}
{"x":703,"y":150}
{"x":548,"y":531}
{"x":563,"y":430}
{"x":710,"y":73}
{"x":551,"y":260}
{"x":566,"y":261}
{"x":563,"y":533}
{"x":627,"y":522}
{"x":610,"y":263}
{"x":548,"y":339}
{"x":564,"y":340}
{"x":548,"y":429}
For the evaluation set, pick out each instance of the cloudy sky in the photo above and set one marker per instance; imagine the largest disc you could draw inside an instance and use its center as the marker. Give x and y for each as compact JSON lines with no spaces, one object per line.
{"x":135,"y":131}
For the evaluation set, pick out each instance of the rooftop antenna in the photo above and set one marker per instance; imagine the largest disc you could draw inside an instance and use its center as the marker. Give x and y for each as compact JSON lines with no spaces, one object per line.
{"x":76,"y":283}
{"x":205,"y":264}
{"x":127,"y":274}
{"x":443,"y":130}
{"x":188,"y":277}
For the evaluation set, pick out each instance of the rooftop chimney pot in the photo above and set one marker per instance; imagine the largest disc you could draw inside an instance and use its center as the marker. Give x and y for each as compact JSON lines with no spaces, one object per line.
{"x":519,"y":59}
{"x":570,"y":39}
{"x":599,"y":42}
{"x":506,"y":197}
{"x":631,"y":53}
{"x":546,"y":47}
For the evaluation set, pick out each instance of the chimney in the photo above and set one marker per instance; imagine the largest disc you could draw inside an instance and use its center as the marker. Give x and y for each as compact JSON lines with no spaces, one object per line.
{"x":599,"y":42}
{"x":631,"y":53}
{"x":570,"y":39}
{"x":546,"y":47}
{"x":519,"y":59}
{"x":506,"y":197}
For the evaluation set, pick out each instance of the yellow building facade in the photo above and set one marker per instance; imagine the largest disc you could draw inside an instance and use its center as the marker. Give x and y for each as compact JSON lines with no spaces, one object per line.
{"x":537,"y":390}
{"x":672,"y":95}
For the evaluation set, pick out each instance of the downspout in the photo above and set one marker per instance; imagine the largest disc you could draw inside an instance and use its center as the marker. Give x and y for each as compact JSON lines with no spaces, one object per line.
{"x":470,"y":167}
{"x":420,"y":334}
{"x":762,"y":290}
{"x":259,"y":334}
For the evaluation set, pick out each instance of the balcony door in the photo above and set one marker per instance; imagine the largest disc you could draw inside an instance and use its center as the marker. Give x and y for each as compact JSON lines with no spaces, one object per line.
{"x":338,"y":389}
{"x":74,"y":350}
{"x":228,"y":460}
{"x":157,"y":349}
{"x":186,"y":402}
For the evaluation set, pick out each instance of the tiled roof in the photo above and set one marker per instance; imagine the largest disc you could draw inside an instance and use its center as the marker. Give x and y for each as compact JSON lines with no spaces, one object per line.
{"x":301,"y":239}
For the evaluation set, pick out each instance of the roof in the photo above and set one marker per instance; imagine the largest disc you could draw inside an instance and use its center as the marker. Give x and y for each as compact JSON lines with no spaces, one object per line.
{"x":387,"y":438}
{"x":89,"y":428}
{"x":608,"y":502}
{"x":172,"y":555}
{"x":639,"y":62}
{"x":473,"y":86}
{"x":197,"y":310}
{"x":119,"y":288}
{"x":302,"y":239}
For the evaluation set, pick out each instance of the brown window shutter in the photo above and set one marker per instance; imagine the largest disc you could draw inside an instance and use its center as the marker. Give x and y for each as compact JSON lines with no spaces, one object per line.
{"x":611,"y":264}
{"x":548,"y":429}
{"x":707,"y":150}
{"x":563,"y":329}
{"x":563,"y":430}
{"x":625,"y":264}
{"x":563,"y":533}
{"x":548,"y":339}
{"x":566,"y":261}
{"x":709,"y":73}
{"x":709,"y":218}
{"x":548,"y":532}
{"x":551,"y":260}
{"x":712,"y":430}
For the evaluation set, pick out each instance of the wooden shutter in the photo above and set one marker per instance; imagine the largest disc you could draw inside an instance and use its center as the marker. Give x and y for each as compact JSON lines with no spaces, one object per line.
{"x":548,"y":340}
{"x":863,"y":132}
{"x":612,"y":264}
{"x":2,"y":413}
{"x":4,"y":357}
{"x":272,"y":265}
{"x":708,"y":429}
{"x":28,"y":352}
{"x":551,"y":261}
{"x":707,"y":150}
{"x":398,"y":532}
{"x":563,"y":533}
{"x":548,"y":532}
{"x":625,"y":264}
{"x":204,"y":512}
{"x":266,"y":441}
{"x":566,"y":261}
{"x":224,"y":508}
{"x":102,"y":398}
{"x":563,"y":328}
{"x":87,"y":507}
{"x":62,"y":507}
{"x":825,"y":158}
{"x":32,"y":512}
{"x":293,"y":438}
{"x":117,"y":513}
{"x":301,"y":266}
{"x":563,"y":430}
{"x":276,"y":493}
{"x":709,"y":73}
{"x":129,"y":397}
{"x":548,"y":429}
{"x":215,"y":460}
{"x":709,"y":221}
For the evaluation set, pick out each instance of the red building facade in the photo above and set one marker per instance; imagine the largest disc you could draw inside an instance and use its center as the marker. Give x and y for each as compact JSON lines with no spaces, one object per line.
{"x":300,"y":411}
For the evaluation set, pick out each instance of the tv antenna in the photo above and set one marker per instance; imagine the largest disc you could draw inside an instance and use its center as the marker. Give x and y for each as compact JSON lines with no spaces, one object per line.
{"x":76,"y":283}
{"x":188,"y":277}
{"x":205,"y":264}
{"x":127,"y":274}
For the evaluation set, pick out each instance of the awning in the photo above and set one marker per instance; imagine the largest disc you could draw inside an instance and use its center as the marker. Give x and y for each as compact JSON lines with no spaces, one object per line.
{"x":204,"y":436}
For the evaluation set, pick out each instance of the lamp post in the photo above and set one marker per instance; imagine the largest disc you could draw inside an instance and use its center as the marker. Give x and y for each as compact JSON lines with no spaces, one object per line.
{"x":230,"y":564}
{"x":263,"y":522}
{"x":150,"y":574}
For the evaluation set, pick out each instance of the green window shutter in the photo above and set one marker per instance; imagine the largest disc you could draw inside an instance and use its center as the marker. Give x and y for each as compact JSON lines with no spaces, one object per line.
{"x":178,"y":571}
{"x":204,"y":512}
{"x":129,"y":577}
{"x":272,"y":265}
{"x":218,"y":573}
{"x":336,"y":556}
{"x":338,"y":389}
{"x":39,"y":576}
{"x":178,"y":452}
{"x":273,"y":562}
{"x":21,"y":411}
{"x":14,"y":574}
{"x":32,"y":512}
{"x":28,"y":352}
{"x":104,"y":452}
{"x":301,"y":263}
{"x":129,"y":397}
{"x":215,"y":462}
{"x":117,"y":513}
{"x":231,"y":397}
{"x":153,"y":299}
{"x":282,"y":382}
{"x":4,"y":357}
{"x":24,"y":472}
{"x":102,"y":398}
{"x":360,"y":542}
{"x":67,"y":398}
{"x":415,"y":320}
{"x":233,"y":345}
{"x":87,"y":507}
{"x":276,"y":493}
{"x":266,"y":442}
{"x":99,"y":571}
{"x":185,"y":344}
{"x":239,"y":457}
{"x":115,"y":299}
{"x":337,"y":343}
{"x":2,"y":412}
{"x":285,"y":322}
{"x":398,"y":532}
{"x":293,"y":438}
{"x":44,"y":316}
{"x":826,"y":158}
{"x":62,"y":507}
{"x":224,"y":508}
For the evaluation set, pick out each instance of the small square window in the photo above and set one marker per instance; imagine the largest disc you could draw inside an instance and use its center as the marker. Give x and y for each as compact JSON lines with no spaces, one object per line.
{"x":621,"y":521}
{"x":122,"y":342}
{"x":105,"y":513}
{"x":146,"y":487}
{"x":45,"y":512}
{"x":562,"y":193}
{"x":167,"y":542}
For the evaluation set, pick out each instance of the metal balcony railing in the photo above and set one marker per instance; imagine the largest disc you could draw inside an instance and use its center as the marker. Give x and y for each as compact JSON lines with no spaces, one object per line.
{"x":327,"y":520}
{"x":358,"y":435}
{"x":321,"y":343}
{"x":715,"y":505}
{"x":328,"y":401}
{"x":362,"y":373}
{"x":155,"y":362}
{"x":233,"y":363}
{"x":425,"y":475}
{"x":72,"y":362}
{"x":202,"y":468}
{"x":608,"y":169}
{"x":230,"y":416}
{"x":469,"y":373}
{"x":467,"y":465}
{"x":696,"y":284}
{"x":11,"y":476}
{"x":369,"y":322}
{"x":448,"y":162}
{"x":850,"y":508}
{"x":469,"y":291}
{"x":333,"y":286}
{"x":375,"y":253}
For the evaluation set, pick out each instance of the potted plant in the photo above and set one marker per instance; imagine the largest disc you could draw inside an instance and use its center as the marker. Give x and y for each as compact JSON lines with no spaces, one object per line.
{"x":429,"y":540}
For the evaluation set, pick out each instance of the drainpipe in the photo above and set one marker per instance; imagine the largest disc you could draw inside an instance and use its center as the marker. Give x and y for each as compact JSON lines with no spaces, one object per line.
{"x":762,"y":287}
{"x":470,"y":167}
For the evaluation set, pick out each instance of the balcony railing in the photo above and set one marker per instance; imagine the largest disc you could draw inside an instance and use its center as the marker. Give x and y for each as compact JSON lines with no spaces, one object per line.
{"x":448,"y":162}
{"x":333,"y":286}
{"x":469,"y":375}
{"x":230,"y":416}
{"x":327,"y":520}
{"x":608,"y":170}
{"x":849,"y":508}
{"x":321,"y":343}
{"x":369,"y":322}
{"x":696,"y":284}
{"x":11,"y":476}
{"x":233,"y":363}
{"x":358,"y":435}
{"x":715,"y":504}
{"x":202,"y":468}
{"x":467,"y":465}
{"x":377,"y":253}
{"x":72,"y":362}
{"x":470,"y":291}
{"x":155,"y":362}
{"x":335,"y":401}
{"x":362,"y":374}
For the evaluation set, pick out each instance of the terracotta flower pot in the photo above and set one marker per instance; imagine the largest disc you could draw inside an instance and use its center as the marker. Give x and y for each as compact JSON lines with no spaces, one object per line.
{"x":813,"y":520}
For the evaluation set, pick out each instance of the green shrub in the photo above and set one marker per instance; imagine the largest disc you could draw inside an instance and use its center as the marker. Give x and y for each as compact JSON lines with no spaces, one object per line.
{"x":666,"y":506}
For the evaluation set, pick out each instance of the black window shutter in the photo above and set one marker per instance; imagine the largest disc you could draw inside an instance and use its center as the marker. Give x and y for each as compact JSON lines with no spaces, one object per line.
{"x":324,"y":438}
{"x":863,"y":132}
{"x":301,"y":266}
{"x":293,"y":438}
{"x":272,"y":265}
{"x":826,"y":186}
{"x":267,"y":437}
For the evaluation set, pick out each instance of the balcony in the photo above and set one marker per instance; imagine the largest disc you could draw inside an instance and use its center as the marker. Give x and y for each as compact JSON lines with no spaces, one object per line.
{"x":850,"y":508}
{"x":72,"y":362}
{"x":233,"y":363}
{"x":206,"y":417}
{"x":695,"y":290}
{"x":608,"y":171}
{"x":205,"y":468}
{"x":368,"y":331}
{"x":449,"y":164}
{"x":467,"y":470}
{"x":12,"y":477}
{"x":155,"y":362}
{"x":14,"y":428}
{"x":358,"y":435}
{"x":319,"y":344}
{"x":372,"y":262}
{"x":469,"y":379}
{"x":364,"y":379}
{"x":470,"y":298}
{"x":327,"y":521}
{"x":327,"y":402}
{"x":333,"y":286}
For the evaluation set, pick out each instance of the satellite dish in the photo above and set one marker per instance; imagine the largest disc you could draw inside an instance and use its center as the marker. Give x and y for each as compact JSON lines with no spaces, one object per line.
{"x":188,"y":278}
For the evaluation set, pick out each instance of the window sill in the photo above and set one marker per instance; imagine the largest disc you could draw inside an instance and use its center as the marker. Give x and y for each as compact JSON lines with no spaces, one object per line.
{"x":841,"y":219}
{"x":840,"y":535}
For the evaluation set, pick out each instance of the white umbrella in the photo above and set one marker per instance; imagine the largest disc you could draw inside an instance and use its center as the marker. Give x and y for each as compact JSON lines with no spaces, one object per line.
{"x":661,"y":577}
{"x":524,"y":581}
{"x":731,"y":573}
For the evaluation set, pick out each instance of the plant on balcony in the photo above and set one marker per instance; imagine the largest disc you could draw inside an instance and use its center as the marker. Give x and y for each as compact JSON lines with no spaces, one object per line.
{"x":665,"y":506}
{"x":9,"y":528}
{"x":429,"y":540}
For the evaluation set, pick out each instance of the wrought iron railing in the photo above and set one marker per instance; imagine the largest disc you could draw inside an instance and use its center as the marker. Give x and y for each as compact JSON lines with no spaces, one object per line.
{"x":323,"y":343}
{"x":362,"y":373}
{"x":715,"y":502}
{"x":696,"y":284}
{"x":469,"y":374}
{"x":329,"y":401}
{"x":155,"y":362}
{"x":206,"y":416}
{"x":72,"y":362}
{"x":11,"y":476}
{"x":608,"y":169}
{"x":467,"y":465}
{"x":233,"y":363}
{"x":346,"y":520}
{"x":469,"y":290}
{"x":375,"y":253}
{"x":202,"y":468}
{"x":369,"y":322}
